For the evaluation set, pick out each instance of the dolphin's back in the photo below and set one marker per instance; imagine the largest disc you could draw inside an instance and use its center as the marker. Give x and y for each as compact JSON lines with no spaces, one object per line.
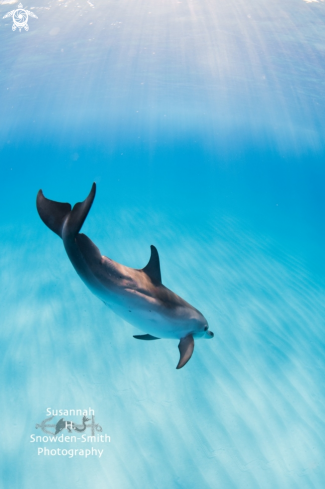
{"x":101,"y":274}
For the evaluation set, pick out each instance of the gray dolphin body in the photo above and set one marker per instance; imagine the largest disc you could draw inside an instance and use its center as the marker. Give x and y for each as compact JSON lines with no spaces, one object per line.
{"x":137,"y":296}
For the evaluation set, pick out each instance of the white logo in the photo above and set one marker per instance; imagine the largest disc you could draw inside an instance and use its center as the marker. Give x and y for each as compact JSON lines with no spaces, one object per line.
{"x":20,"y":18}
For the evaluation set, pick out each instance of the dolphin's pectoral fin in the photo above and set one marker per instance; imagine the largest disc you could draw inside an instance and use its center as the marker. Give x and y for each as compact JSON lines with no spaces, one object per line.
{"x":152,"y":269}
{"x":186,"y":348}
{"x":145,"y":337}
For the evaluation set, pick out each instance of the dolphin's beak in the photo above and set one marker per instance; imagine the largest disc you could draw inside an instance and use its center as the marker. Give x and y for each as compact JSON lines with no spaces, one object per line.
{"x":209,"y":334}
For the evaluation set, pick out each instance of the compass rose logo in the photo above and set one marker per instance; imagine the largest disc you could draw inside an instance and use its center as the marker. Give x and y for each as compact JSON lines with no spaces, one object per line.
{"x":20,"y":18}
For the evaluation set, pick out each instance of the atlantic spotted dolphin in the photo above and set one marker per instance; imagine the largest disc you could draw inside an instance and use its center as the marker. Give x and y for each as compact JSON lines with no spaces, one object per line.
{"x":138,"y":296}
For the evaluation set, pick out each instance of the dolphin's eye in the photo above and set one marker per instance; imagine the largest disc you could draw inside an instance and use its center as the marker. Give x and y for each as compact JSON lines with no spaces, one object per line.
{"x":206,"y":328}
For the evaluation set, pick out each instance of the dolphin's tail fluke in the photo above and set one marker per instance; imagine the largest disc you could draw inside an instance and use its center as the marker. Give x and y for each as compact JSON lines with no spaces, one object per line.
{"x":60,"y":218}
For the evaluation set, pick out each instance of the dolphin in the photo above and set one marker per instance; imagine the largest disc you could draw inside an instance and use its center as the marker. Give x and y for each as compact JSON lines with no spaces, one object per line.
{"x":138,"y":296}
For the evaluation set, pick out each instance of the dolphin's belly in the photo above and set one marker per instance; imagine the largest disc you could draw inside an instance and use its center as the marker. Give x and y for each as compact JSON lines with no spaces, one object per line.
{"x":148,"y":316}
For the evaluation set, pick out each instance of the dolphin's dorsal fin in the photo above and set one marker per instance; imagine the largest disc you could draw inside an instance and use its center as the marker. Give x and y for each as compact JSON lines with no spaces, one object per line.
{"x":153,"y":267}
{"x":186,"y":348}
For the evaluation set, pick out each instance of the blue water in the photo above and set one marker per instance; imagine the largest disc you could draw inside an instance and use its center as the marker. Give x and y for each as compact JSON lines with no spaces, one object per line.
{"x":202,"y":123}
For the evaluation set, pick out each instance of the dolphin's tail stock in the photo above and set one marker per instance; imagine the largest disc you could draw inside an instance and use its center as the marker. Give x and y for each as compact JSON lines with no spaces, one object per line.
{"x":60,"y":218}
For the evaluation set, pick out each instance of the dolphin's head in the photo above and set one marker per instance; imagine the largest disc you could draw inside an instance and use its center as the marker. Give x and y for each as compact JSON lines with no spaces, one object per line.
{"x":201,"y":327}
